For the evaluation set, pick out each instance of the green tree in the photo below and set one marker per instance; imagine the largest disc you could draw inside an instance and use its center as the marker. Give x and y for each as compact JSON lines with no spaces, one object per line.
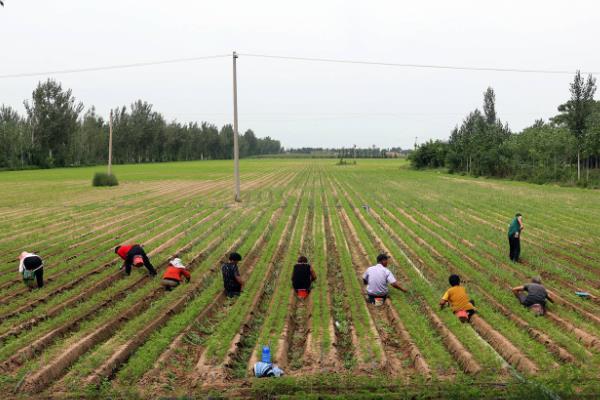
{"x":489,"y":106}
{"x":52,"y":117}
{"x":576,"y":112}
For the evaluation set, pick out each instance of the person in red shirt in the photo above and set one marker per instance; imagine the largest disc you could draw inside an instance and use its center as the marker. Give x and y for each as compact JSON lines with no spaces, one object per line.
{"x":129,"y":253}
{"x":174,"y":274}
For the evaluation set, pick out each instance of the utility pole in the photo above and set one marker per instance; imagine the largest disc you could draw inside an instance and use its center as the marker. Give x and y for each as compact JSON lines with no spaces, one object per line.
{"x":110,"y":126}
{"x":236,"y":149}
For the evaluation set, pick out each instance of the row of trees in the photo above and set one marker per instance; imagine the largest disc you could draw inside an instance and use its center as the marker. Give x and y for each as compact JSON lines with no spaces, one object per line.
{"x":56,"y":132}
{"x":567,"y":147}
{"x":347,"y":152}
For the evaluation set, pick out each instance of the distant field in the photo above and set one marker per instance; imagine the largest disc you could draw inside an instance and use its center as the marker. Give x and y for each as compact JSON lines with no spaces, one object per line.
{"x":93,"y":332}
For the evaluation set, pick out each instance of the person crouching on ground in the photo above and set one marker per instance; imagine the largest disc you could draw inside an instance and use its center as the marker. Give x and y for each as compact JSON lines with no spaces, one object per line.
{"x":232,"y":281}
{"x":377,"y":279}
{"x":174,"y":274}
{"x":458,"y":299}
{"x":130,"y":253}
{"x":303,"y":276}
{"x":536,"y":295}
{"x":31,"y":267}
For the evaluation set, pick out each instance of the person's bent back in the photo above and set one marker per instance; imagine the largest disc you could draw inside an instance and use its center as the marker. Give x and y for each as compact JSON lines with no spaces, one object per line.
{"x":174,"y":274}
{"x":377,"y":279}
{"x":303,"y":275}
{"x":458,"y":298}
{"x":536,"y":295}
{"x":132,"y":251}
{"x":31,"y":267}
{"x":232,"y":281}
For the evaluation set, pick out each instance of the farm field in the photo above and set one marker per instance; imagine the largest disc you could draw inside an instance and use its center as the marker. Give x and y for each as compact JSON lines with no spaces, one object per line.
{"x":92,"y":331}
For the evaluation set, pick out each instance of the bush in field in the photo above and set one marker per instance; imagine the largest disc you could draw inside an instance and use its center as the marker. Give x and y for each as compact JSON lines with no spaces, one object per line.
{"x":104,"y":179}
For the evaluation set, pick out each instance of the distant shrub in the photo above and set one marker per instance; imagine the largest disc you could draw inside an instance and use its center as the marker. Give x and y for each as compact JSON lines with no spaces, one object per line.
{"x":104,"y":179}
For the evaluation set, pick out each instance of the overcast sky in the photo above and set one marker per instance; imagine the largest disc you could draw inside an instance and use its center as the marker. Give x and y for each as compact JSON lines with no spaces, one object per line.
{"x":306,"y":103}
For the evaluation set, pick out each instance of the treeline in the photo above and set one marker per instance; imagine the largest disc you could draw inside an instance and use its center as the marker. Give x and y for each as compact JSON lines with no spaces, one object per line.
{"x":347,"y":152}
{"x":566,"y":148}
{"x":56,"y":132}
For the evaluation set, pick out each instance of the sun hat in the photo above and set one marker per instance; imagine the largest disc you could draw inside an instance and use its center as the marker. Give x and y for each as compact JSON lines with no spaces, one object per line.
{"x":176,"y":262}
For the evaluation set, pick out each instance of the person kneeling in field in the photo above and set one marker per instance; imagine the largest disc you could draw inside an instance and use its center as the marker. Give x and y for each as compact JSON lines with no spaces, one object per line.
{"x":134,"y":254}
{"x":536,"y":296}
{"x":457,"y":297}
{"x":377,"y":279}
{"x":302,"y":277}
{"x":232,"y":281}
{"x":31,"y":267}
{"x":174,"y":274}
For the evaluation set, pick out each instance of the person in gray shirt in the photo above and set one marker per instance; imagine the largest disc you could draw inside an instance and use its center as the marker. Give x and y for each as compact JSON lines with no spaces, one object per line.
{"x":377,"y":279}
{"x":536,"y":294}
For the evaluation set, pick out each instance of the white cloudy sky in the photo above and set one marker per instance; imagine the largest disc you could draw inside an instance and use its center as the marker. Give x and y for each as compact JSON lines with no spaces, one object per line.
{"x":306,"y":103}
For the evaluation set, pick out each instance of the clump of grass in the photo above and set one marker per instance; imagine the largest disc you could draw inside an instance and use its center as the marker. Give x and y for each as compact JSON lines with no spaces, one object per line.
{"x":104,"y":179}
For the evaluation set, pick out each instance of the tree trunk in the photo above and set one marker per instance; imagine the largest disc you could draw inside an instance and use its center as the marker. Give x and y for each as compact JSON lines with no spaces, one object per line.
{"x":578,"y":166}
{"x":587,"y":169}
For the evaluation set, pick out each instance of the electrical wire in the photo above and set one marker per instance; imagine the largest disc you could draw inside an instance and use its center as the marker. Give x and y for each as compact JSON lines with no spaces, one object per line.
{"x":111,"y":67}
{"x":406,"y":65}
{"x":293,"y":58}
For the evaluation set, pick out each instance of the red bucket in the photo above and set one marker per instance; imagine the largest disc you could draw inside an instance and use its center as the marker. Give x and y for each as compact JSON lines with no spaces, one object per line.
{"x":302,"y":293}
{"x":462,"y":315}
{"x":138,"y":261}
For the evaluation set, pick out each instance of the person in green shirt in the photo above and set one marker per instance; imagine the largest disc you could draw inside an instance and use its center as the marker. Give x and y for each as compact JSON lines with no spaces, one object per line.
{"x":514,"y":237}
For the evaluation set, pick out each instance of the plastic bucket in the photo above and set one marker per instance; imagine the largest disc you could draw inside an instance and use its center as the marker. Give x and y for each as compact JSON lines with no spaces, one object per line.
{"x":138,"y":261}
{"x":537,"y":309}
{"x":462,"y":315}
{"x":302,"y":293}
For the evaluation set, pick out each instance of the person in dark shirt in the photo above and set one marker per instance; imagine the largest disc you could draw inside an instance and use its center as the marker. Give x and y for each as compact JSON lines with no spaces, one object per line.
{"x":536,"y":295}
{"x":232,"y":281}
{"x":31,"y":267}
{"x":128,"y":252}
{"x":514,"y":237}
{"x":303,"y":275}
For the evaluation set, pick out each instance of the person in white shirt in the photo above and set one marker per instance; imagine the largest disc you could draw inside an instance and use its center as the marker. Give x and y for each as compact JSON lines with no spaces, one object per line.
{"x":377,"y":279}
{"x":31,"y":267}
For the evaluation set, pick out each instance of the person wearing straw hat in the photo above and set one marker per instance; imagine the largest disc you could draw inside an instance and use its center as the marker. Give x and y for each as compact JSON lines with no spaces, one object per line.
{"x":174,"y":274}
{"x":31,"y":267}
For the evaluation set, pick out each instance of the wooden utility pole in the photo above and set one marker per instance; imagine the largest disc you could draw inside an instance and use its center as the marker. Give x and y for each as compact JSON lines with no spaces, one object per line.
{"x":236,"y":149}
{"x":110,"y":126}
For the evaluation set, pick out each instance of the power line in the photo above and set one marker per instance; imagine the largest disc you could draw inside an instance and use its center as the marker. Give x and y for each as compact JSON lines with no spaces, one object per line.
{"x":293,"y":58}
{"x":111,"y":67}
{"x":406,"y":65}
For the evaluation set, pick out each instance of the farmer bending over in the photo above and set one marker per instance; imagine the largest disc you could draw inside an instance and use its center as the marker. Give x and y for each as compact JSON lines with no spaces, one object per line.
{"x":303,"y":277}
{"x":232,"y":281}
{"x":174,"y":274}
{"x":377,"y":279}
{"x":536,"y":295}
{"x":134,"y":254}
{"x":31,"y":267}
{"x":458,"y":299}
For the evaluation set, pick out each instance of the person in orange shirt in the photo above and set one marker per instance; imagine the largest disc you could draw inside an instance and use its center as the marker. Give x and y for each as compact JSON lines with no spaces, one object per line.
{"x":458,"y":299}
{"x":174,"y":274}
